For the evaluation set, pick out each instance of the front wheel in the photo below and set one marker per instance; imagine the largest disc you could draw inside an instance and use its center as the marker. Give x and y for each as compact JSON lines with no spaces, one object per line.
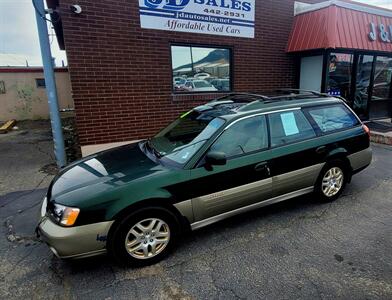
{"x":144,"y":237}
{"x":332,"y":181}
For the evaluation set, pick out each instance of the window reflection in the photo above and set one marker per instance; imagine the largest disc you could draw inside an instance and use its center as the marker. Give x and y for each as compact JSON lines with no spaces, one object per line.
{"x":200,"y":69}
{"x":97,"y":166}
{"x":339,"y":74}
{"x":380,"y":106}
{"x":364,"y":71}
{"x":382,"y":78}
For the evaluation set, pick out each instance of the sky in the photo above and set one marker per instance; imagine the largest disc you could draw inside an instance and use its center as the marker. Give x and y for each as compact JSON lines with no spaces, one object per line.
{"x":381,"y":3}
{"x":19,"y":37}
{"x":182,"y":56}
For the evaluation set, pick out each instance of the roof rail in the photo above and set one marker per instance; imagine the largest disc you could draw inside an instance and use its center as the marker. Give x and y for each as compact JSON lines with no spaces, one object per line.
{"x":341,"y":98}
{"x":301,"y":94}
{"x":252,"y":101}
{"x":241,"y":97}
{"x":315,"y":93}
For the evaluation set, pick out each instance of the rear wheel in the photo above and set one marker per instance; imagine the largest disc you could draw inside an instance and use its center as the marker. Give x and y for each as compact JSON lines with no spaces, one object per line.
{"x":332,"y":180}
{"x":144,"y":237}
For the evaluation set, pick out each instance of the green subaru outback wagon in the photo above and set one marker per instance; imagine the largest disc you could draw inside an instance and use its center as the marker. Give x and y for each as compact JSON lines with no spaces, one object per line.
{"x":229,"y":156}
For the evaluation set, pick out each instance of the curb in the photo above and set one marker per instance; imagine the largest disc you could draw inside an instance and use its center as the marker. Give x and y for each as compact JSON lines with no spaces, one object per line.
{"x":377,"y":137}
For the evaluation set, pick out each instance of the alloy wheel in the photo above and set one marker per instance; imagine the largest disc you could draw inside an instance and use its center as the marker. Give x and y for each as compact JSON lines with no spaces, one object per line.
{"x":147,"y":238}
{"x":332,"y":181}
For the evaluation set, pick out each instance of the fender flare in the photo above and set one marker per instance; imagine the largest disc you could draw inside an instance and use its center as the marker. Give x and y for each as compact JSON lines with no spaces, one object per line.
{"x":341,"y":154}
{"x":165,"y":203}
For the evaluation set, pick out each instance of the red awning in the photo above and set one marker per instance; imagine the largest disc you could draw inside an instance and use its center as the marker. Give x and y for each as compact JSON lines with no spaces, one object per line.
{"x":341,"y":24}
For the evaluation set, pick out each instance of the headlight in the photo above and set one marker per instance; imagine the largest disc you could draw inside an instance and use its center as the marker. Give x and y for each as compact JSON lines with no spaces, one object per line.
{"x":65,"y":215}
{"x":43,"y":207}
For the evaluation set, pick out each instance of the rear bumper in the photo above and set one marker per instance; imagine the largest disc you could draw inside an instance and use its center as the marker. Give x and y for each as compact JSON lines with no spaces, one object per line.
{"x":360,"y":160}
{"x":73,"y":242}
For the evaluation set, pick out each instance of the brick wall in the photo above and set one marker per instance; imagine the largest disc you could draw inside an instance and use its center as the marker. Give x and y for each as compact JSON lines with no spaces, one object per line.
{"x":121,"y":74}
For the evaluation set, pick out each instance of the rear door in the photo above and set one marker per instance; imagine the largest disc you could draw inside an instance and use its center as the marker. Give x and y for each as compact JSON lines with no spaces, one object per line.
{"x":297,"y":159}
{"x":244,"y":180}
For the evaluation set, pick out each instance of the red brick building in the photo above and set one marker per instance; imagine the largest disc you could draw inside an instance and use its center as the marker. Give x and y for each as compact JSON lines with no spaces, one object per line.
{"x":128,"y":81}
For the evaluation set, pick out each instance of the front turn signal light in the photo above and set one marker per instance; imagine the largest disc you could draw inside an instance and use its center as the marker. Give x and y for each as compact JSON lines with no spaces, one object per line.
{"x":69,"y":216}
{"x":65,"y":215}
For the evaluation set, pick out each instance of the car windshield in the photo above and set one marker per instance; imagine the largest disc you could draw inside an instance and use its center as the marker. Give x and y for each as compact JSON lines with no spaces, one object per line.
{"x":184,"y":137}
{"x":202,"y":84}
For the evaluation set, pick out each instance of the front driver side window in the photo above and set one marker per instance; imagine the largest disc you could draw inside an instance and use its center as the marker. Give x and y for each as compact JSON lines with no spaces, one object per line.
{"x":242,"y":137}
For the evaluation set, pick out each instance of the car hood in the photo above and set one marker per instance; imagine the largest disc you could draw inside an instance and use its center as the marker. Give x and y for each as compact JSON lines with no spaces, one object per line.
{"x":125,"y":163}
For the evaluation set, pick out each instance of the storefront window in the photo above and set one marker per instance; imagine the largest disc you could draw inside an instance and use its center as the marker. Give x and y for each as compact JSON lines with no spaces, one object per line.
{"x":364,"y":72}
{"x":380,"y":107}
{"x":339,"y":74}
{"x":382,"y":78}
{"x":200,"y":69}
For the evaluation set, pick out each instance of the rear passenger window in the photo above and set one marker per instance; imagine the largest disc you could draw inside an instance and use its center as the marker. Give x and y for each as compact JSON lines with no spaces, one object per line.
{"x":288,"y":127}
{"x":334,"y":117}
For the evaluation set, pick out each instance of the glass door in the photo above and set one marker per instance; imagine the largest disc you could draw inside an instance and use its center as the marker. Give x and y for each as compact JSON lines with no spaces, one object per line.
{"x":380,"y":103}
{"x":363,"y":81}
{"x":339,"y":74}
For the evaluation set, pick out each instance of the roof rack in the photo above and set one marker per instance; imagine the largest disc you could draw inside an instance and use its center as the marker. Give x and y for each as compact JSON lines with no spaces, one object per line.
{"x":301,"y":92}
{"x":251,"y":101}
{"x":240,"y":97}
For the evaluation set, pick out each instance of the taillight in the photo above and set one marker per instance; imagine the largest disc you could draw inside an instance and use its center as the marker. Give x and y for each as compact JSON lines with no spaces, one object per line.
{"x":366,"y":129}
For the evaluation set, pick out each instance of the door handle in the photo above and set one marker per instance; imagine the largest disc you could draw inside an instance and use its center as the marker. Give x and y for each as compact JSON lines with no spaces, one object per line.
{"x":263,"y":167}
{"x":321,"y":150}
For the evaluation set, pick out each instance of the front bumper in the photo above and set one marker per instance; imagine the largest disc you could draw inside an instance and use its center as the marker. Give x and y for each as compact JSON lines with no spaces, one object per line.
{"x":73,"y":242}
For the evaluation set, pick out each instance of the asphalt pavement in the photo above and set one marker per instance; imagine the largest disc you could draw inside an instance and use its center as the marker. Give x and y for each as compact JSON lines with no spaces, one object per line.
{"x":297,"y":249}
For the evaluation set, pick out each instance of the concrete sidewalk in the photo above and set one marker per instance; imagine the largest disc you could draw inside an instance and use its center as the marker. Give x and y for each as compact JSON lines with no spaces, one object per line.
{"x":381,"y":137}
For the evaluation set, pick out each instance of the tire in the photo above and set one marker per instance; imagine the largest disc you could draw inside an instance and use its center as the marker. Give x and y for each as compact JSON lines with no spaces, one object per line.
{"x":328,"y":186}
{"x":144,"y":231}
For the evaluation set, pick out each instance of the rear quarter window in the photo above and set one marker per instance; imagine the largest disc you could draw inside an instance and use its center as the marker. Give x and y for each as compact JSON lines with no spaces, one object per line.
{"x":333,"y":117}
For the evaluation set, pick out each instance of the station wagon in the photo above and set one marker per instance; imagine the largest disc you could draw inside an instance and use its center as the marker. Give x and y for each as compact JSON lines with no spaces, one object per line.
{"x":228,"y":156}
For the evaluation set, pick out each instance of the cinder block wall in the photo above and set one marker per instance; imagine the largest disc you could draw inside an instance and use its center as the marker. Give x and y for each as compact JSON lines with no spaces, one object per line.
{"x":121,"y":73}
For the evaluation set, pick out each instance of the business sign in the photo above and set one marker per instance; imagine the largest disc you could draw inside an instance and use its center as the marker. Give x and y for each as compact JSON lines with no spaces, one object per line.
{"x":384,"y":32}
{"x":219,"y":17}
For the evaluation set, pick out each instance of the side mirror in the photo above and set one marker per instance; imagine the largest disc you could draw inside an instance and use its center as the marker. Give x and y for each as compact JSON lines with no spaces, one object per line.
{"x":215,"y":158}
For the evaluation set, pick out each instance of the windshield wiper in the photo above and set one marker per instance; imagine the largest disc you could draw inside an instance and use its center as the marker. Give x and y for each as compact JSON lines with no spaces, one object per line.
{"x":153,"y":149}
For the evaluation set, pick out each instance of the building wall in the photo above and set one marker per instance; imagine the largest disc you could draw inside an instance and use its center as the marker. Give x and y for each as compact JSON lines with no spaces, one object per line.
{"x":121,"y":74}
{"x":24,"y":100}
{"x":311,"y":71}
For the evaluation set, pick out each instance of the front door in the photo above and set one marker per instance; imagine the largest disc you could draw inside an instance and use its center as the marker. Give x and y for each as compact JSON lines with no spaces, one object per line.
{"x":244,"y":180}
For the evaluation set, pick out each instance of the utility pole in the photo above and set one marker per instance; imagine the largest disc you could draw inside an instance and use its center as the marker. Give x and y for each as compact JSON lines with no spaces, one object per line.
{"x":51,"y":91}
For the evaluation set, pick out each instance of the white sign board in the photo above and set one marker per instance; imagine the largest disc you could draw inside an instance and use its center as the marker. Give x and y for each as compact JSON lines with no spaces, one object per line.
{"x":219,"y":17}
